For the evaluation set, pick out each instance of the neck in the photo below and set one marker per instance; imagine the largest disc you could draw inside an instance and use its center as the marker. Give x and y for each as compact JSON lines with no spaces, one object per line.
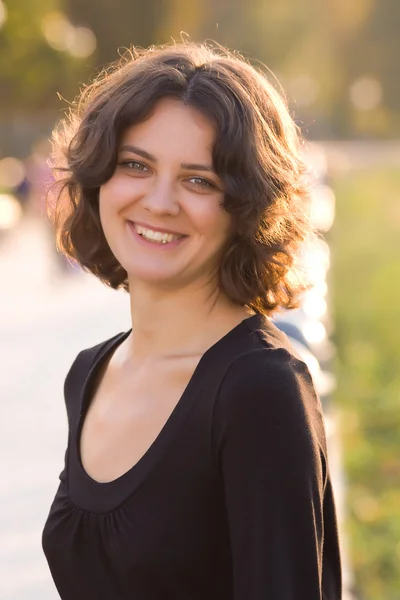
{"x":178,"y":323}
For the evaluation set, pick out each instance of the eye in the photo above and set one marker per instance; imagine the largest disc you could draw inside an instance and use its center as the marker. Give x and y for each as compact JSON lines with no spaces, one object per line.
{"x":202,"y":183}
{"x":134,"y":165}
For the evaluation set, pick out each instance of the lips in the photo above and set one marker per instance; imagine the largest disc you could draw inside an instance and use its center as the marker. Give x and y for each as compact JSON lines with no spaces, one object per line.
{"x":155,"y":238}
{"x":157,"y":229}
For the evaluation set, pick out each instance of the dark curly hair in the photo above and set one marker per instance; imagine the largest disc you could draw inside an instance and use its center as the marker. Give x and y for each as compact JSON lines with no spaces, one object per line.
{"x":257,"y":154}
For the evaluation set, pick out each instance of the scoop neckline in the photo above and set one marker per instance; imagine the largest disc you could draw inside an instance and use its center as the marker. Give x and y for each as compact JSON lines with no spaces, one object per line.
{"x":96,"y":496}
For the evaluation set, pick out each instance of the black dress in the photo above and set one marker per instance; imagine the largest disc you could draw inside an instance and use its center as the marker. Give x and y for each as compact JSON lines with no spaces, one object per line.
{"x":233,"y":500}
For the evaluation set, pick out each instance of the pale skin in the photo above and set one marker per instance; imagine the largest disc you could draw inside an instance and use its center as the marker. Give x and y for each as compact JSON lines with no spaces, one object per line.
{"x":164,"y":179}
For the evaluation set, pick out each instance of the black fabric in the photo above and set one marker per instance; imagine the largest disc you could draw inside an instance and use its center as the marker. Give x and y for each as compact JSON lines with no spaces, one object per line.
{"x":233,"y":500}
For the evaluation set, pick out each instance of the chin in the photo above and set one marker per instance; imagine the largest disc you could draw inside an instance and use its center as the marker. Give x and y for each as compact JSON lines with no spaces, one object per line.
{"x":152,"y":276}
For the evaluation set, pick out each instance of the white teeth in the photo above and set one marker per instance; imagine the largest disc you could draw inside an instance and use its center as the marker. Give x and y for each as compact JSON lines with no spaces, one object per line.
{"x":156,"y":236}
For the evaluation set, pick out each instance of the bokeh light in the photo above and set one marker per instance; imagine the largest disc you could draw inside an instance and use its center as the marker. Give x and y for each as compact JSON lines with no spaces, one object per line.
{"x":314,"y":332}
{"x":322,"y":207}
{"x":314,"y":305}
{"x":12,"y":172}
{"x":62,"y":35}
{"x":10,"y":211}
{"x":304,"y":88}
{"x":3,"y":13}
{"x":82,"y":42}
{"x":366,"y":93}
{"x":57,"y":30}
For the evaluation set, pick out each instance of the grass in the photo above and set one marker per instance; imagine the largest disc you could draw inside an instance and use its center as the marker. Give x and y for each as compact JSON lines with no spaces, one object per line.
{"x":365,"y":280}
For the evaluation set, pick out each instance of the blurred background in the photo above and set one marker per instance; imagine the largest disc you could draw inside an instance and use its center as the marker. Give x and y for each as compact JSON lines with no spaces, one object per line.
{"x":339,"y":64}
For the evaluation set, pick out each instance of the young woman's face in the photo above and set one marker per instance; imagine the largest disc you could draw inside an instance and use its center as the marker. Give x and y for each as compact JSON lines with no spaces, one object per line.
{"x":161,"y":210}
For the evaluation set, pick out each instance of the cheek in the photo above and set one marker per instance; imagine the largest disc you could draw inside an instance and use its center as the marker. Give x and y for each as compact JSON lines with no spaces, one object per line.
{"x":104,"y":207}
{"x":106,"y":193}
{"x":109,"y":208}
{"x":118,"y":193}
{"x":208,"y":217}
{"x":218,"y":225}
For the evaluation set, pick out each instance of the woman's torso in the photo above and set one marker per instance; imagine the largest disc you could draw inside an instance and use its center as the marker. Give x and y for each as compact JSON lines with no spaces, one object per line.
{"x":158,"y":517}
{"x":157,"y":529}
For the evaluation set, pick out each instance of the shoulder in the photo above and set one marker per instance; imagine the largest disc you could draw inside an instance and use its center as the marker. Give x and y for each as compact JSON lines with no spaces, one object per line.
{"x":267,"y":376}
{"x":268,"y":393}
{"x":267,"y":366}
{"x":87,"y":359}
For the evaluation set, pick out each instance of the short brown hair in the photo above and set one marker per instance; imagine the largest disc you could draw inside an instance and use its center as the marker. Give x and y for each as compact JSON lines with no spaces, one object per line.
{"x":257,"y":155}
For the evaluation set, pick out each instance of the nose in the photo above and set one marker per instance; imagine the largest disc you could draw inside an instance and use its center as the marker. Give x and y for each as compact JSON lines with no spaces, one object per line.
{"x":161,"y":199}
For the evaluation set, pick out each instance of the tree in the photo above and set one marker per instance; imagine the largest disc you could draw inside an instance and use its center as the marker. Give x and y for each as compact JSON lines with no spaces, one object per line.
{"x":33,"y":72}
{"x":117,"y":24}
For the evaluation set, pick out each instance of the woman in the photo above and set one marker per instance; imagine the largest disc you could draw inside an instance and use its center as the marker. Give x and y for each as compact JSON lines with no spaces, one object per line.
{"x":196,"y":465}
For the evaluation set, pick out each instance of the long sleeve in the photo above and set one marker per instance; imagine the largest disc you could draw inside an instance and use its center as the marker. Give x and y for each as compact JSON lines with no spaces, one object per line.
{"x":269,"y":443}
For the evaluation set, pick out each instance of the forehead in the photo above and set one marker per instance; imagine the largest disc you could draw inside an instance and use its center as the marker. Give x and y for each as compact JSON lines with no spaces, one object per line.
{"x":173,"y":128}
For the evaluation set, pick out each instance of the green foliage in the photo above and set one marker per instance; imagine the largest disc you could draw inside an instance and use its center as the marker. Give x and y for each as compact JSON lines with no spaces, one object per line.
{"x":318,"y":50}
{"x":32,"y":73}
{"x":118,"y":24}
{"x":366,"y":284}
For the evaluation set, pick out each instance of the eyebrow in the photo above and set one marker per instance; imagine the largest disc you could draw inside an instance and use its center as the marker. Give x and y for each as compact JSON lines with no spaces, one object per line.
{"x":148,"y":156}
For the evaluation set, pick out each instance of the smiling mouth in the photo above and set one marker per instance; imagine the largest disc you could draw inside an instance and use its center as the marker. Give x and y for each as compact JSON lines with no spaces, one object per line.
{"x":157,"y":237}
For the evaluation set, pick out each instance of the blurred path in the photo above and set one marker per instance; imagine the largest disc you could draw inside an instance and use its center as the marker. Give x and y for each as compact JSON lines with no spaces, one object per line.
{"x":45,"y":319}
